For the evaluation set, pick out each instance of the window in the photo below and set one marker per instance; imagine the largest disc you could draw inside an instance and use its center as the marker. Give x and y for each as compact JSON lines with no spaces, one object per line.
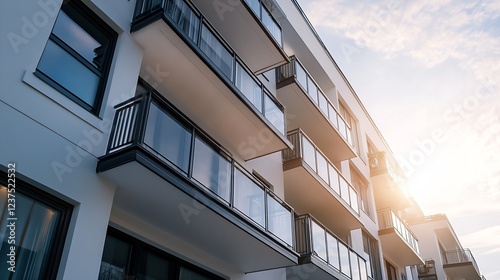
{"x":77,"y":56}
{"x":41,"y":227}
{"x":352,"y":132}
{"x":391,"y":271}
{"x":362,"y":187}
{"x":125,"y":257}
{"x":370,"y":247}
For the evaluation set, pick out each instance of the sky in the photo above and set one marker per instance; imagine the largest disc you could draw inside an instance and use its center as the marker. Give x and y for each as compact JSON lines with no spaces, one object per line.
{"x":428,"y":73}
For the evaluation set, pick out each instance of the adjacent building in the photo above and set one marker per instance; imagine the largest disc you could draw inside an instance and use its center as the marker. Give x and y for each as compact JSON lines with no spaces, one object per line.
{"x":194,"y":139}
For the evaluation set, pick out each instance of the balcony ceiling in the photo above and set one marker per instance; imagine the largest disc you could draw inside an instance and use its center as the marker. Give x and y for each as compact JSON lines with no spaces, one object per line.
{"x":302,"y":113}
{"x":461,"y":271}
{"x":396,"y":249}
{"x":306,"y":194}
{"x":245,"y":33}
{"x":179,"y":74}
{"x":210,"y":227}
{"x":314,"y":268}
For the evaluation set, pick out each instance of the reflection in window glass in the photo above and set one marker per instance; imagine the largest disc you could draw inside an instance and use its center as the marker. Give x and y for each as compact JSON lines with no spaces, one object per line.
{"x":69,"y":72}
{"x":168,"y":137}
{"x":36,"y":228}
{"x":155,"y":268}
{"x":114,"y":259}
{"x":319,"y":241}
{"x":249,"y":197}
{"x":187,"y":274}
{"x":212,"y":170}
{"x":185,"y":18}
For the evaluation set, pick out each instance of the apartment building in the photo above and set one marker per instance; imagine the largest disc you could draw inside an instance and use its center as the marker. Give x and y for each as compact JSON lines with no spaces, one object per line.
{"x":191,"y":139}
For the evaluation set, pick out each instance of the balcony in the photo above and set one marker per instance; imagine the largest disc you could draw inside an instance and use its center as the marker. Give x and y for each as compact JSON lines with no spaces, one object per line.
{"x":189,"y":62}
{"x":313,"y":112}
{"x":461,"y":264}
{"x":389,"y":182}
{"x":427,"y":271}
{"x":173,"y":176}
{"x":327,"y":256}
{"x":314,"y":185}
{"x":398,"y":241}
{"x":250,"y":28}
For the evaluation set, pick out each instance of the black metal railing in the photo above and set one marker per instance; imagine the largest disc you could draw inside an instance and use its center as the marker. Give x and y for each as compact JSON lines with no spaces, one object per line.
{"x":306,"y":150}
{"x":149,"y":122}
{"x":197,"y":31}
{"x":312,"y":238}
{"x":295,"y":70}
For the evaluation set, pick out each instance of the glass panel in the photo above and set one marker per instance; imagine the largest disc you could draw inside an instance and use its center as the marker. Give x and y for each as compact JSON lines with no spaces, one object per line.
{"x":255,"y":6}
{"x":342,"y":128}
{"x":168,"y":138}
{"x":155,"y":268}
{"x":35,"y":227}
{"x":279,"y":220}
{"x":334,"y":179}
{"x":354,"y":265}
{"x":185,"y":18}
{"x":68,"y":72}
{"x":115,"y":259}
{"x":333,"y":251}
{"x":274,"y":114}
{"x":301,"y":76}
{"x":344,"y":190}
{"x":344,"y":260}
{"x":247,"y":85}
{"x":308,"y":153}
{"x":249,"y":197}
{"x":323,"y":103}
{"x":216,"y":52}
{"x":322,"y":167}
{"x":363,"y":269}
{"x":319,"y":240}
{"x":333,"y":116}
{"x":354,"y":200}
{"x":271,"y":25}
{"x":187,"y":274}
{"x":312,"y":90}
{"x":212,"y":170}
{"x":78,"y":39}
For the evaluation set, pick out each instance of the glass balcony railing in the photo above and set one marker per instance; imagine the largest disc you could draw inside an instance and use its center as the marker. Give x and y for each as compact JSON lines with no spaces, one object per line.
{"x":295,"y":70}
{"x":388,"y":219}
{"x":305,"y":149}
{"x":314,"y":239}
{"x":460,"y":256}
{"x":216,"y":52}
{"x":381,"y":162}
{"x":267,"y":19}
{"x":152,"y":124}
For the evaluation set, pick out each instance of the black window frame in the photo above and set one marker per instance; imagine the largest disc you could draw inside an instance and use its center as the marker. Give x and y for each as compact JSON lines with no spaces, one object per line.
{"x":50,"y":267}
{"x":96,"y":28}
{"x":138,"y":250}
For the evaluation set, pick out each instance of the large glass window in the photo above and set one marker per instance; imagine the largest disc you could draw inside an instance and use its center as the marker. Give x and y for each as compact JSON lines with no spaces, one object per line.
{"x":77,"y":56}
{"x":41,"y":223}
{"x":212,"y":170}
{"x":125,"y":257}
{"x":168,"y":137}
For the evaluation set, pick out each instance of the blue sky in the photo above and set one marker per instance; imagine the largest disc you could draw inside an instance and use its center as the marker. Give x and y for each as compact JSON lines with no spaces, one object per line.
{"x":429,"y":74}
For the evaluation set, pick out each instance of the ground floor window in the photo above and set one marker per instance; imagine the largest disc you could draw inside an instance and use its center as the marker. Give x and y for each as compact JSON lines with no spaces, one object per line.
{"x":126,"y":257}
{"x":33,"y":227}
